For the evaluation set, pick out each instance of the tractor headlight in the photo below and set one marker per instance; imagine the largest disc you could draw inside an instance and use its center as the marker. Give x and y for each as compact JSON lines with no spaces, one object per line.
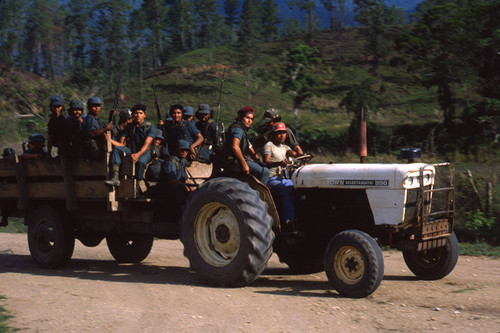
{"x":408,"y":182}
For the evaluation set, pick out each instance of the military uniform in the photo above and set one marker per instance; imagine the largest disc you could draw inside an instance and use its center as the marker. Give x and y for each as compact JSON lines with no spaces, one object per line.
{"x":185,"y":130}
{"x":56,"y":123}
{"x":93,"y":148}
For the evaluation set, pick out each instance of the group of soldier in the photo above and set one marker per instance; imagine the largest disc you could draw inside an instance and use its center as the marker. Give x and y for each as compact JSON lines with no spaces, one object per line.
{"x":163,"y":152}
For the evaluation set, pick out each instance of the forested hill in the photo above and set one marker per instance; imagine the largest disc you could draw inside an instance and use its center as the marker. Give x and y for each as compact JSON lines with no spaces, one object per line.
{"x":433,"y":84}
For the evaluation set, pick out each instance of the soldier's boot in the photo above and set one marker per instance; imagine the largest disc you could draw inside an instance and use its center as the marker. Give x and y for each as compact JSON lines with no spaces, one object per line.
{"x":114,"y":176}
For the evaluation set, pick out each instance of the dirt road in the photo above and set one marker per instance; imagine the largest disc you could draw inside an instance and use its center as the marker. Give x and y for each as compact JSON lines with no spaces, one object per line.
{"x":95,"y":294}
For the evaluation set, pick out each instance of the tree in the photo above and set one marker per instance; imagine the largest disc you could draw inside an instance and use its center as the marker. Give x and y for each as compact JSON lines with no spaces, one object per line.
{"x":330,"y":7}
{"x":231,"y":9}
{"x":154,"y":13}
{"x":11,"y":34}
{"x":181,"y":25}
{"x":270,"y":20}
{"x":377,"y":20}
{"x":307,"y":6}
{"x":361,"y":97}
{"x":249,"y":33}
{"x":439,"y":45}
{"x":297,"y":78}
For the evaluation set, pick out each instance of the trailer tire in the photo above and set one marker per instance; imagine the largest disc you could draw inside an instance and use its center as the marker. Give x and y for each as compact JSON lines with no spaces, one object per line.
{"x":433,"y":264}
{"x":129,"y":248}
{"x":51,"y":237}
{"x":226,"y":232}
{"x":354,"y":264}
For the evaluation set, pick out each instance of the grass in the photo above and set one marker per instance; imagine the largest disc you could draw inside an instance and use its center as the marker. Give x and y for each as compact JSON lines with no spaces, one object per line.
{"x":4,"y":316}
{"x":479,"y":249}
{"x":16,"y":226}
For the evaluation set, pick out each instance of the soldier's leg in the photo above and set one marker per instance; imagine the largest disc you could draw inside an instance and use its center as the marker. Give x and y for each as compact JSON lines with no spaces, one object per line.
{"x":142,"y":162}
{"x":260,"y":172}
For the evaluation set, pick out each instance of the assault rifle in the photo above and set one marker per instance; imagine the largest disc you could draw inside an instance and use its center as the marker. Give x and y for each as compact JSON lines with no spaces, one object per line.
{"x":111,"y":118}
{"x":24,"y":143}
{"x":157,"y":104}
{"x":220,"y":134}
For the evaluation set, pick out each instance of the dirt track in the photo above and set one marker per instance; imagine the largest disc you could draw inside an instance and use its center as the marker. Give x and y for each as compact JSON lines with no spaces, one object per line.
{"x":95,"y":294}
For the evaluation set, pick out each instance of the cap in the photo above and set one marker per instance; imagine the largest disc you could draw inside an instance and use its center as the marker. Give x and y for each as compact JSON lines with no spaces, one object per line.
{"x":125,"y":115}
{"x":94,"y":101}
{"x":137,"y":107}
{"x":36,"y":138}
{"x":204,"y":108}
{"x":57,"y":100}
{"x":76,"y":104}
{"x":245,"y":109}
{"x":159,"y":134}
{"x":279,"y":127}
{"x":271,"y":114}
{"x":188,"y":111}
{"x":182,"y":145}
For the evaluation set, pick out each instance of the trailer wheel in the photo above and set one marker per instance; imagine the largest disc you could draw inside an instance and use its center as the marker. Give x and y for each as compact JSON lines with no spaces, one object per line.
{"x":226,"y":232}
{"x":433,"y":264}
{"x":354,"y":264}
{"x":51,"y":238}
{"x":129,"y":248}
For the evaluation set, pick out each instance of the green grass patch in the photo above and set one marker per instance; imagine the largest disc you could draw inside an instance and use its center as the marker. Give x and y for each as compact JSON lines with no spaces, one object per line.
{"x":16,"y":226}
{"x":4,"y":316}
{"x":479,"y":249}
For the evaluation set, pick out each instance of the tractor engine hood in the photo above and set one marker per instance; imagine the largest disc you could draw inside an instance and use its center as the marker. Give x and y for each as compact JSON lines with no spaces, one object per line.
{"x":362,"y":176}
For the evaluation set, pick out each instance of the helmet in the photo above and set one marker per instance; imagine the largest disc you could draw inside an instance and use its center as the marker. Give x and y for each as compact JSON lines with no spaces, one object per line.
{"x":271,"y":114}
{"x":182,"y":145}
{"x":36,"y":138}
{"x":188,"y":111}
{"x":76,"y":104}
{"x":57,"y":100}
{"x":204,"y":109}
{"x":94,"y":101}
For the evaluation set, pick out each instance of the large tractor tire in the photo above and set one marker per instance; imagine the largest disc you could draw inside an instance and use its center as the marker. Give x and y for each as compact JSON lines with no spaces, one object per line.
{"x":129,"y":248}
{"x":301,"y":258}
{"x":226,"y":232}
{"x":354,"y":264}
{"x":51,"y":237}
{"x":433,"y":264}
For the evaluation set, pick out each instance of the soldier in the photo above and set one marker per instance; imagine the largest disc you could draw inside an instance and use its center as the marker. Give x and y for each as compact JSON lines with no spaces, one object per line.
{"x":94,"y":129}
{"x":246,"y":160}
{"x":188,"y":113}
{"x":181,"y":129}
{"x":73,"y":130}
{"x":274,"y":155}
{"x":36,"y":150}
{"x":125,"y":118}
{"x":9,"y":154}
{"x":56,"y":123}
{"x":175,"y":174}
{"x":208,"y":129}
{"x":141,"y":133}
{"x":271,"y":117}
{"x":159,"y":153}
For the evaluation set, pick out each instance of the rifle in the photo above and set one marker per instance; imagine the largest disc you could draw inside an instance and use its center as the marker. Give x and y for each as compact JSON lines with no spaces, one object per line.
{"x":157,"y":104}
{"x":24,"y":143}
{"x":111,"y":118}
{"x":219,"y":138}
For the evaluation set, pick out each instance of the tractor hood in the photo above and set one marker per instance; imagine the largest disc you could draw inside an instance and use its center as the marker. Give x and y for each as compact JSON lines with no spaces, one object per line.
{"x":362,"y":176}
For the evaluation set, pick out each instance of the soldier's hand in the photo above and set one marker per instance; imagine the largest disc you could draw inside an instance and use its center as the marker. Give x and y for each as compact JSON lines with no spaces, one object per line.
{"x":106,"y":136}
{"x":160,"y":123}
{"x":135,"y":157}
{"x":109,"y":126}
{"x":192,"y":153}
{"x":245,"y":169}
{"x":284,"y":163}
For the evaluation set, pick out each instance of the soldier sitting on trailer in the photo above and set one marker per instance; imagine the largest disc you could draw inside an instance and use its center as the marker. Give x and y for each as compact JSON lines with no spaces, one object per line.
{"x":141,"y":133}
{"x":94,"y":128}
{"x":125,"y":118}
{"x":159,"y":153}
{"x":9,"y":154}
{"x":56,"y":123}
{"x":36,"y":147}
{"x":174,"y":174}
{"x":181,"y":129}
{"x":73,"y":134}
{"x":208,"y":129}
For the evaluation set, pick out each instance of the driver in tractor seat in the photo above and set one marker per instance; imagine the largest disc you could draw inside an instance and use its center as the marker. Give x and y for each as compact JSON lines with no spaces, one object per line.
{"x":275,"y":153}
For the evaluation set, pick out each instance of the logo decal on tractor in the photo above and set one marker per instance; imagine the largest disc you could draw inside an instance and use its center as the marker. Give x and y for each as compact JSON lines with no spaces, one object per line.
{"x":359,"y":182}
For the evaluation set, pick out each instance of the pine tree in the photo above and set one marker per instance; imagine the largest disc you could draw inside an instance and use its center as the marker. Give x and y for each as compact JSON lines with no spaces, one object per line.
{"x":270,"y":20}
{"x":309,"y":7}
{"x":181,"y":25}
{"x":154,"y":14}
{"x":12,"y":13}
{"x":231,"y":9}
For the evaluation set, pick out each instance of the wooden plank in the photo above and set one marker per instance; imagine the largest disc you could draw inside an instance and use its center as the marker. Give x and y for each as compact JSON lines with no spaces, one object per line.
{"x":69,"y":184}
{"x":53,"y":167}
{"x":8,"y":191}
{"x":7,"y":168}
{"x":22,"y":202}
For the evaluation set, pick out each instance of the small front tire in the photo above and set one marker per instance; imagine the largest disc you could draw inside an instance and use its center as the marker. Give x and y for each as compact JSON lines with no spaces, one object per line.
{"x":433,"y":264}
{"x":354,"y":264}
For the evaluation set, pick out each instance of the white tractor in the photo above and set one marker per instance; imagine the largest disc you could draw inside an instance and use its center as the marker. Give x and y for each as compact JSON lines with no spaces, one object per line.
{"x":230,"y":226}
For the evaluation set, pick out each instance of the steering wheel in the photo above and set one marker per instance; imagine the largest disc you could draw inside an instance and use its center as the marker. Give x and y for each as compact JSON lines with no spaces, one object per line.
{"x":303,"y":159}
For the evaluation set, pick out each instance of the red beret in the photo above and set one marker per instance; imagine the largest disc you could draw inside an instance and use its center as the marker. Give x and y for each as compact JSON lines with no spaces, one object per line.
{"x":245,"y":109}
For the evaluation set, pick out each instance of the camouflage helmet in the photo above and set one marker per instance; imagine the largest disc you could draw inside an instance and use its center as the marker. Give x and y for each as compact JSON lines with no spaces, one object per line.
{"x":56,"y":100}
{"x":36,"y":138}
{"x":271,"y":114}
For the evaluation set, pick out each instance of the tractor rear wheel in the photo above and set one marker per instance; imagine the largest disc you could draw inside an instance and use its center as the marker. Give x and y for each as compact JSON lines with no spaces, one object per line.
{"x":226,"y":232}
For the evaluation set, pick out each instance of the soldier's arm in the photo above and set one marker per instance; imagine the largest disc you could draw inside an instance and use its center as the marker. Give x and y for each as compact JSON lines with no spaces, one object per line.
{"x":235,"y":146}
